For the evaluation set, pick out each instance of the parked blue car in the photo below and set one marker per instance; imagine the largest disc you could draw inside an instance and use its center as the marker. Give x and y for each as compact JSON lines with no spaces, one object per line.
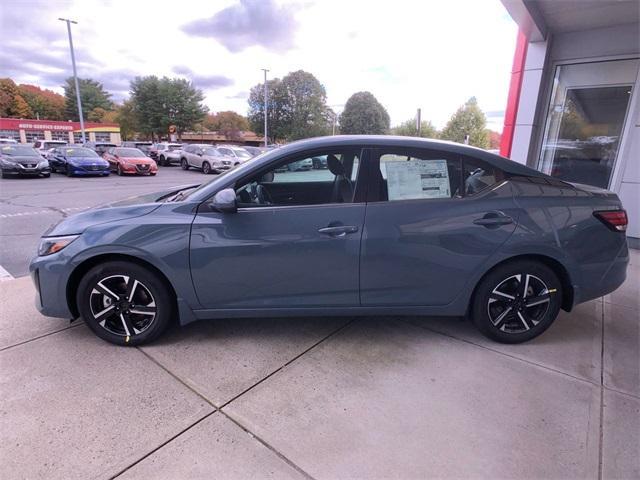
{"x":394,"y":226}
{"x":77,"y":161}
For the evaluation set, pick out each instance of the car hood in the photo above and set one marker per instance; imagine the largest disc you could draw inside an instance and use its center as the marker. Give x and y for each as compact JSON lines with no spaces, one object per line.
{"x":22,"y":159}
{"x":131,"y":207}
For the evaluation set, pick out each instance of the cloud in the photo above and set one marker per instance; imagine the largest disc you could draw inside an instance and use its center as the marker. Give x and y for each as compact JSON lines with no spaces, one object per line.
{"x":239,"y":96}
{"x":210,"y":82}
{"x":249,"y":23}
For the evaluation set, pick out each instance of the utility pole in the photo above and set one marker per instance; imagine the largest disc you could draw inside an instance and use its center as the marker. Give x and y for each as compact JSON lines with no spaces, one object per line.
{"x":418,"y":121}
{"x":266,"y":142}
{"x":75,"y":74}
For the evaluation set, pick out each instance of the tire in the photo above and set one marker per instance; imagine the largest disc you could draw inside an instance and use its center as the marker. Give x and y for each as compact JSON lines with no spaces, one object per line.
{"x":119,"y":171}
{"x":103,"y":302}
{"x":152,"y":174}
{"x":162,"y":161}
{"x":206,"y":168}
{"x":46,"y":175}
{"x":68,"y":172}
{"x":184,"y":164}
{"x":53,"y":169}
{"x":500,"y":307}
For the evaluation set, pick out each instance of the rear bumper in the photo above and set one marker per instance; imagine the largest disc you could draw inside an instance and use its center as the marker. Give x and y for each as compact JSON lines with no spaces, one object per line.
{"x":601,"y":279}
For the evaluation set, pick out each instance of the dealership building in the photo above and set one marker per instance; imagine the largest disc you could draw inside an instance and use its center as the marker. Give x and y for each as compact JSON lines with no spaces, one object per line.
{"x":574,"y":102}
{"x":28,"y":131}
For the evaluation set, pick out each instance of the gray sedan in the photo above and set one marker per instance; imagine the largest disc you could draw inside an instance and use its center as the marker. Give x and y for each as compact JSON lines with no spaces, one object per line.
{"x":393,"y":226}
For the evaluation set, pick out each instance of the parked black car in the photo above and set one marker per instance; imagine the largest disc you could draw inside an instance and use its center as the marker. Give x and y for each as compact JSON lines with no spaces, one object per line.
{"x":99,"y":147}
{"x":144,"y":147}
{"x":22,"y":160}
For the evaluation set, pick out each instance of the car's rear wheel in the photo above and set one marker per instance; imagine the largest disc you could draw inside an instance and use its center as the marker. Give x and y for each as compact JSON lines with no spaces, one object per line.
{"x":184,"y":164}
{"x":206,"y":168}
{"x":517,"y":301}
{"x":124,"y":303}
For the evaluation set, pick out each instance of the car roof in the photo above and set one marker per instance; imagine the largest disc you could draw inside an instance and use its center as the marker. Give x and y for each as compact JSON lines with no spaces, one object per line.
{"x":502,"y":163}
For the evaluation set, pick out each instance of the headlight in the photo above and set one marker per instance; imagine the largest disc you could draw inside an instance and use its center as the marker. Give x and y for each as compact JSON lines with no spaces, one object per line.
{"x":49,"y":245}
{"x":43,"y":164}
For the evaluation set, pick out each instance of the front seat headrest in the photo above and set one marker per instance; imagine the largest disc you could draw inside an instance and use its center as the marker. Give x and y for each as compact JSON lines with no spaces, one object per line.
{"x":335,"y":166}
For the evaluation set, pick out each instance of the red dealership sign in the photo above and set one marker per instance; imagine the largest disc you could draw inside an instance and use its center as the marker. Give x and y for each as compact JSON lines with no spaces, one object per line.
{"x":25,"y":124}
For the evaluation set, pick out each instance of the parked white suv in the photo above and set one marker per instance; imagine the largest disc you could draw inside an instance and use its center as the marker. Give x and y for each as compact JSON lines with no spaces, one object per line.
{"x":164,"y":152}
{"x":237,"y":154}
{"x":43,"y":146}
{"x":204,"y":157}
{"x":4,"y":141}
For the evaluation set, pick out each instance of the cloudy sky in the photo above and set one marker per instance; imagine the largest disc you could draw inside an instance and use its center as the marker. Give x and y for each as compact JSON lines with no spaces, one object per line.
{"x":432,"y":54}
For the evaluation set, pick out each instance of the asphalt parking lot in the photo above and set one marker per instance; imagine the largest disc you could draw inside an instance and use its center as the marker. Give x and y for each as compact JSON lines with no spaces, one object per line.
{"x":318,"y":398}
{"x":28,"y":206}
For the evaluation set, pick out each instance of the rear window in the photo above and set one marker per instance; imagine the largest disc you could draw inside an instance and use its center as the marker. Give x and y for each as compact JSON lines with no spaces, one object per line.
{"x":129,"y":152}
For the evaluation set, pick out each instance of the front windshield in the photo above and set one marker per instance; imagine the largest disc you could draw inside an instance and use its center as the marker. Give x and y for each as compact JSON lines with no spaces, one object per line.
{"x":242,"y":153}
{"x":174,"y":147}
{"x":19,"y":150}
{"x":129,"y":152}
{"x":79,"y":152}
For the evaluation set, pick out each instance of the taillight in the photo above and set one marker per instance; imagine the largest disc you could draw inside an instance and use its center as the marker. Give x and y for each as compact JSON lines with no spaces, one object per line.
{"x":616,"y":220}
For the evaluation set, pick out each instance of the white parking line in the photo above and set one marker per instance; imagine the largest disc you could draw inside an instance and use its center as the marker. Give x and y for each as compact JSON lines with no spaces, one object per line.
{"x":4,"y":275}
{"x":40,"y":212}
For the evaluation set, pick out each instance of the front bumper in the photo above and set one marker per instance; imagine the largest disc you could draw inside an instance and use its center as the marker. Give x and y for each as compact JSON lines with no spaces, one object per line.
{"x":89,"y":171}
{"x":20,"y":170}
{"x":50,"y":282}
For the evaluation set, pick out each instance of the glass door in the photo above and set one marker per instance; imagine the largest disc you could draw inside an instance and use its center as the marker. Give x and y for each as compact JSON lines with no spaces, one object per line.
{"x":585,"y":120}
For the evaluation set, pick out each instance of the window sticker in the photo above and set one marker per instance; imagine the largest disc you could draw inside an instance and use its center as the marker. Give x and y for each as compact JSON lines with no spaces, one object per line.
{"x":417,"y":179}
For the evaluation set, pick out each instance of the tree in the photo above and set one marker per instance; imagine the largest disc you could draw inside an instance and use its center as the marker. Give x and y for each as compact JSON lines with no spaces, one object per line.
{"x":408,"y":129}
{"x":468,"y":120}
{"x":45,"y":104}
{"x":304,"y":106}
{"x":297,"y":107}
{"x":12,"y":104}
{"x":96,"y":115}
{"x":92,"y":95}
{"x":159,"y":103}
{"x":274,"y":110}
{"x":127,"y":119}
{"x":363,"y":114}
{"x":228,"y":123}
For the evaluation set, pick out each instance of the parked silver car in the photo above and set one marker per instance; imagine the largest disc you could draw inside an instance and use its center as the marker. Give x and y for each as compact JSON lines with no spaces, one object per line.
{"x":237,"y":154}
{"x":204,"y":157}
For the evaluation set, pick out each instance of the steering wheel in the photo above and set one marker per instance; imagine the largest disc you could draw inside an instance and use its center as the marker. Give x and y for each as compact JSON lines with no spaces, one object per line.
{"x":264,"y":197}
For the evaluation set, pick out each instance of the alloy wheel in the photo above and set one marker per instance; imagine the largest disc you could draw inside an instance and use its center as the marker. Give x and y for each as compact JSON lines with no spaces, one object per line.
{"x":122,"y":305}
{"x":518,"y":303}
{"x":206,"y":168}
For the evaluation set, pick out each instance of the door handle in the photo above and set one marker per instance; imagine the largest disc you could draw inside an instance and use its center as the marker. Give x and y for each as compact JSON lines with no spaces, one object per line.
{"x":338,"y":231}
{"x":493,"y":219}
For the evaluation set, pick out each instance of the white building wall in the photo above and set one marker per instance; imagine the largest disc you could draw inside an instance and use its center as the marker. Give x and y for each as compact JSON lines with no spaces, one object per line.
{"x":622,"y":41}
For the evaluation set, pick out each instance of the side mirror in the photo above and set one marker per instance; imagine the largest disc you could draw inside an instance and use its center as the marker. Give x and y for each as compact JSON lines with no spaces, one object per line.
{"x":225,"y":201}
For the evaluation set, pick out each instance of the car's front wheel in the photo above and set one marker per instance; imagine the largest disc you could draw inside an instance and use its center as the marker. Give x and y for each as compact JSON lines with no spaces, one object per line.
{"x":125,"y":303}
{"x":184,"y":164}
{"x":206,"y":168}
{"x":517,"y":301}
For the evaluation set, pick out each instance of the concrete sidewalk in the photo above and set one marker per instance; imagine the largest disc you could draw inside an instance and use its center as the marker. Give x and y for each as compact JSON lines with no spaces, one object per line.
{"x":322,"y":398}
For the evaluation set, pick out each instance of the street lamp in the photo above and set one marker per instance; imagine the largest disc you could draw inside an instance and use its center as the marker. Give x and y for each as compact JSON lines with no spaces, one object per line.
{"x":75,"y":74}
{"x":265,"y":106}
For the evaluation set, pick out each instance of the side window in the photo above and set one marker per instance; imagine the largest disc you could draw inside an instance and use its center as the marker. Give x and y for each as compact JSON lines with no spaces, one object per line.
{"x":322,"y":178}
{"x":478,"y":176}
{"x":414,"y":175}
{"x":188,"y":149}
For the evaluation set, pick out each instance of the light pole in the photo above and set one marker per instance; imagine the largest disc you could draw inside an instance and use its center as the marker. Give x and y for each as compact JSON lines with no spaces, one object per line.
{"x":75,"y":75}
{"x":265,"y":106}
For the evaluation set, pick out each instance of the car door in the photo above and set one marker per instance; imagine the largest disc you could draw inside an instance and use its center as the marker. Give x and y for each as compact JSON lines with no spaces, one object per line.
{"x":433,"y":220}
{"x":276,"y":254}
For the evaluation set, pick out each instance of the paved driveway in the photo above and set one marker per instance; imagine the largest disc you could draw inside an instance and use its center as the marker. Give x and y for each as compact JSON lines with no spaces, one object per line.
{"x":322,"y":398}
